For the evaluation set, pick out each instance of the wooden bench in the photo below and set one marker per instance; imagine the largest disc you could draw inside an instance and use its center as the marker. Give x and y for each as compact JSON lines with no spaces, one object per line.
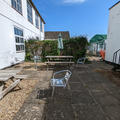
{"x":5,"y":91}
{"x":3,"y":80}
{"x":59,"y":60}
{"x":6,"y":75}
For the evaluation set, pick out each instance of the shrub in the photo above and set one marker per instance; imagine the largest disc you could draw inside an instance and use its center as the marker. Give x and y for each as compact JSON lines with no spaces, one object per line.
{"x":75,"y":46}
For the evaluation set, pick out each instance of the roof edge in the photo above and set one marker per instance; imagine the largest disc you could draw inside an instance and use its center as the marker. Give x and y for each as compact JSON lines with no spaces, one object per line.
{"x":98,"y":35}
{"x":56,"y":31}
{"x":36,"y":10}
{"x":114,"y":5}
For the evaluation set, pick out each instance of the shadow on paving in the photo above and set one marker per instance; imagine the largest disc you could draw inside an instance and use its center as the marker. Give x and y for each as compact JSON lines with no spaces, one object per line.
{"x":73,"y":104}
{"x":90,"y":97}
{"x":59,"y":106}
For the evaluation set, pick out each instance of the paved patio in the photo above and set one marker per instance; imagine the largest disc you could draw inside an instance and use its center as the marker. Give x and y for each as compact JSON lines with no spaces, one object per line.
{"x":92,"y":96}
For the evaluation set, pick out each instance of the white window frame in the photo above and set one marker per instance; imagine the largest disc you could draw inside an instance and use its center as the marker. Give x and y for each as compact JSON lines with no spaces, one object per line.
{"x":17,"y":6}
{"x":29,"y":16}
{"x":20,"y":44}
{"x":41,"y":25}
{"x":36,"y":20}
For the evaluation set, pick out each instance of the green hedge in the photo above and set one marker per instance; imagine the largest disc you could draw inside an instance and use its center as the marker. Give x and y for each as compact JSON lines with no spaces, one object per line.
{"x":75,"y":46}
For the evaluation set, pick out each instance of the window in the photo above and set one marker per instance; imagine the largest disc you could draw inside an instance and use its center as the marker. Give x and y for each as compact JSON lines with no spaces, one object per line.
{"x":41,"y":25}
{"x":37,"y":20}
{"x":101,"y":46}
{"x":19,"y":39}
{"x":29,"y":12}
{"x":104,"y":46}
{"x":16,"y":4}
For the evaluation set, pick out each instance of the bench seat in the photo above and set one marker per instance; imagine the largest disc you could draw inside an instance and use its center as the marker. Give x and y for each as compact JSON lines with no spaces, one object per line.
{"x":54,"y":62}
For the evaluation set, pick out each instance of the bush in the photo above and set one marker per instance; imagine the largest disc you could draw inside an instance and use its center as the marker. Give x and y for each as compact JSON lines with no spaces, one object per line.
{"x":75,"y":47}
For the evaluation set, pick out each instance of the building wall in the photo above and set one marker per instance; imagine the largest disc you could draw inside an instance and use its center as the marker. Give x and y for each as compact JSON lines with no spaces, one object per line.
{"x":95,"y":48}
{"x":113,"y":38}
{"x":9,"y":18}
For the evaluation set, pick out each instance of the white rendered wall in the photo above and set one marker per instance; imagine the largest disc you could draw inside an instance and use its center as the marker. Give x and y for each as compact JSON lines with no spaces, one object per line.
{"x":8,"y":19}
{"x":113,"y":38}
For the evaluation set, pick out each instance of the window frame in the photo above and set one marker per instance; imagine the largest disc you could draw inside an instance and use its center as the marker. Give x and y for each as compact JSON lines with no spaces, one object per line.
{"x":41,"y":26}
{"x":29,"y":12}
{"x":16,"y":8}
{"x":36,"y":20}
{"x":20,"y":44}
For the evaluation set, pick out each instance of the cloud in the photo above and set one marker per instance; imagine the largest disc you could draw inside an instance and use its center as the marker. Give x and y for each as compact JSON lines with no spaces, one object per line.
{"x":74,"y":1}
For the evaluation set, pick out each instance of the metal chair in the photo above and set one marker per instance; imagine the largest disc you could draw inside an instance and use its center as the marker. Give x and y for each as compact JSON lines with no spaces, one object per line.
{"x":60,"y":82}
{"x":81,"y":60}
{"x":36,"y":59}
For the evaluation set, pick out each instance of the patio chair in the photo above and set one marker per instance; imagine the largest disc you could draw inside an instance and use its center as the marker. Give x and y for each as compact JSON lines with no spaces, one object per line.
{"x":60,"y":82}
{"x":81,"y":60}
{"x":36,"y":59}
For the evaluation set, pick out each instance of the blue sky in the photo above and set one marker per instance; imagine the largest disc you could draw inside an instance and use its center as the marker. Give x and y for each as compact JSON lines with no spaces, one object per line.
{"x":80,"y":17}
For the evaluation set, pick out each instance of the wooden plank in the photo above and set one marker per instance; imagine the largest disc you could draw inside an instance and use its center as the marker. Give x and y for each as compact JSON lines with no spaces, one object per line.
{"x":60,"y":62}
{"x":1,"y":88}
{"x":5,"y":78}
{"x":10,"y":71}
{"x":59,"y":56}
{"x":21,"y":76}
{"x":13,"y":85}
{"x":7,"y":74}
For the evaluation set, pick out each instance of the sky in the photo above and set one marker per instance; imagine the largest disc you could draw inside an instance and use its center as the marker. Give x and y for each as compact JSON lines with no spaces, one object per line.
{"x":79,"y":17}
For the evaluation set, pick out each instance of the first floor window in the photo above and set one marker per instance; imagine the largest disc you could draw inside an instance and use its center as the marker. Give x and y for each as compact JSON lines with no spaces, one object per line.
{"x":17,"y":4}
{"x":29,"y":12}
{"x":37,"y":20}
{"x":19,"y":39}
{"x":41,"y":27}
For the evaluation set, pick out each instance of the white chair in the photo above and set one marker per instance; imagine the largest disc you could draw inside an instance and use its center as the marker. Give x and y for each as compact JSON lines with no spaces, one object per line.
{"x":60,"y":82}
{"x":36,"y":59}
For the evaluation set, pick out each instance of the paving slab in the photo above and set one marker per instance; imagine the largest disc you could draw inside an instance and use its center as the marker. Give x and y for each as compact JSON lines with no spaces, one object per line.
{"x":92,"y":96}
{"x":113,"y":111}
{"x":82,"y":98}
{"x":89,"y":112}
{"x":33,"y":108}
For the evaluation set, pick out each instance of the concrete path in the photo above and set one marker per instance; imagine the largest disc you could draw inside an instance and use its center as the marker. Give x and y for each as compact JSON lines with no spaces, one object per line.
{"x":91,"y":96}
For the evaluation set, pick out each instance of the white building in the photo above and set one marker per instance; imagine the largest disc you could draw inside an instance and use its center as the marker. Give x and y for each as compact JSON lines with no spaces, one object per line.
{"x":19,"y":20}
{"x":113,"y":37}
{"x":97,"y":43}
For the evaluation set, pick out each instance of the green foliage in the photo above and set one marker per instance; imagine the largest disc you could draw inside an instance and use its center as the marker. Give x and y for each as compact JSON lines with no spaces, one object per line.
{"x":75,"y":46}
{"x":49,"y":48}
{"x":32,"y":47}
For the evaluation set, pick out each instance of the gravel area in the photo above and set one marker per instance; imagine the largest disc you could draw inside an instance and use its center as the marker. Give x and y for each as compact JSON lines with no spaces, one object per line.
{"x":13,"y":101}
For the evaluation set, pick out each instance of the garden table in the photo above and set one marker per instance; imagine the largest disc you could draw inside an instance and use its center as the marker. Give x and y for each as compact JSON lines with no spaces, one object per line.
{"x":59,"y":60}
{"x":6,"y":75}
